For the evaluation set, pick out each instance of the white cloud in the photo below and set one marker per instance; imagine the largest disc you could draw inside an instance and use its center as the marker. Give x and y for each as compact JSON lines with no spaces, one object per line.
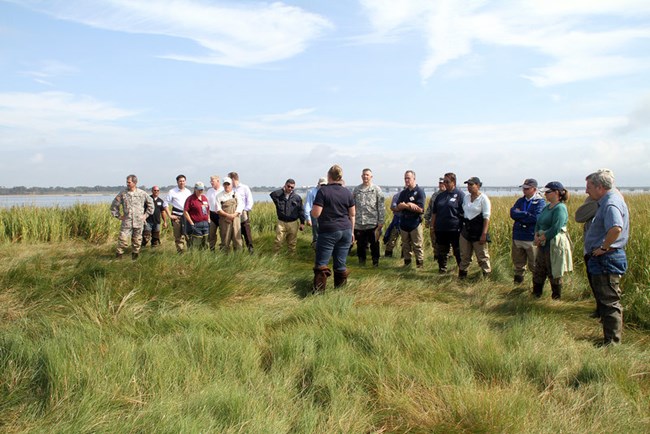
{"x":50,"y":68}
{"x":55,"y":111}
{"x":37,"y":158}
{"x":577,"y":46}
{"x":233,"y":34}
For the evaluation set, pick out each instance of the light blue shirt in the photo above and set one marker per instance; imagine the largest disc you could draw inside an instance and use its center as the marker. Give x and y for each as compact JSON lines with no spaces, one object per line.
{"x":612,"y":211}
{"x":309,"y":202}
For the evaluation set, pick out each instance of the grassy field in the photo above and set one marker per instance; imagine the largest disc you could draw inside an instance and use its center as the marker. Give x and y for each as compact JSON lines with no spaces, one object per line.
{"x":213,"y":343}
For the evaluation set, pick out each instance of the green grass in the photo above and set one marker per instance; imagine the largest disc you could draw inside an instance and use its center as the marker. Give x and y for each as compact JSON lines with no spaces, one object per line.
{"x":213,"y":343}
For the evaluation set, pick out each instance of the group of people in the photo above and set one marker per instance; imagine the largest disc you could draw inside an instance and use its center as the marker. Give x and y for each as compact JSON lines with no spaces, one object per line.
{"x":195,"y":217}
{"x":458,"y":222}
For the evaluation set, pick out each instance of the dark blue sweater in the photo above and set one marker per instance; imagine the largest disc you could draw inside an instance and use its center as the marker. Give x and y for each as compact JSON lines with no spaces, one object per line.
{"x":525,"y":214}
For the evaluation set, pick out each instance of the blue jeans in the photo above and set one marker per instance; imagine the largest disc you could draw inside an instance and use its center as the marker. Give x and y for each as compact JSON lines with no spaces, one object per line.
{"x":333,"y":245}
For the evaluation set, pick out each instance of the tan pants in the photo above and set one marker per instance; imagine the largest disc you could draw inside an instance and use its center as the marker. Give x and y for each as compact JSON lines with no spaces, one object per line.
{"x":480,"y":250}
{"x":179,"y":239}
{"x":230,"y":232}
{"x":288,"y":231}
{"x":412,"y":244}
{"x":523,"y":253}
{"x":135,"y":234}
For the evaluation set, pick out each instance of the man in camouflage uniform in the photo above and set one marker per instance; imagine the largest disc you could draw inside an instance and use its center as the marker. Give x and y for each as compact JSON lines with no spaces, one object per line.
{"x":136,"y":207}
{"x":371,"y":210}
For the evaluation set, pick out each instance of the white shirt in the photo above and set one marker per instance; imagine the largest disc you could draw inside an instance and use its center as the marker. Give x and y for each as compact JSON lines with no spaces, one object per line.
{"x":480,"y":205}
{"x":177,"y":198}
{"x":211,"y":194}
{"x":246,"y":195}
{"x":222,"y":196}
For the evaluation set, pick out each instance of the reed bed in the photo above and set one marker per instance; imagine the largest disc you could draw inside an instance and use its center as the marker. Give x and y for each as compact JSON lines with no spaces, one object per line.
{"x":205,"y":342}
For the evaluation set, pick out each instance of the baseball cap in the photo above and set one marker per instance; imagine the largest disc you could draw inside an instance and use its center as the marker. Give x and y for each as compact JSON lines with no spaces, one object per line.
{"x":474,"y":180}
{"x":322,"y":181}
{"x":529,"y":183}
{"x":226,"y":180}
{"x":555,"y":185}
{"x":199,"y":186}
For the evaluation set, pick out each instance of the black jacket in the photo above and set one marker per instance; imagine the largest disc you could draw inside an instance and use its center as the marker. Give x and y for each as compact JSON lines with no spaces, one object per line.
{"x":288,"y":209}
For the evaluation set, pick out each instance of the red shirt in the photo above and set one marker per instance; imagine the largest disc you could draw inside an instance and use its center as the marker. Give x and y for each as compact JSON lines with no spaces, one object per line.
{"x":198,"y":208}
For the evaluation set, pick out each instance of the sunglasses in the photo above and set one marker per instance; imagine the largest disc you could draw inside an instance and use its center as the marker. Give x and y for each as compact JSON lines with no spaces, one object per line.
{"x":549,"y":191}
{"x":290,"y":187}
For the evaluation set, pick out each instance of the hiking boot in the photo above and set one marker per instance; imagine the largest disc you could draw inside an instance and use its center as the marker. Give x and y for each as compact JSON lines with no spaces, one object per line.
{"x":340,"y":278}
{"x":419,"y":264}
{"x":462,"y":274}
{"x":537,"y":289}
{"x":134,"y":256}
{"x":519,"y":280}
{"x":320,"y":279}
{"x":388,"y":254}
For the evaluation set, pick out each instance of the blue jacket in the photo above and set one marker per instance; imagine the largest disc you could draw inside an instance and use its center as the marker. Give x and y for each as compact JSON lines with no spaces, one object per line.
{"x":525,"y":214}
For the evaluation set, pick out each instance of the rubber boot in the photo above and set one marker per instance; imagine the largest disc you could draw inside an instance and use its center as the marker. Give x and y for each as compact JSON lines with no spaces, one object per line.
{"x":155,"y":238}
{"x":320,"y":278}
{"x":340,"y":278}
{"x":556,"y":291}
{"x":537,"y":289}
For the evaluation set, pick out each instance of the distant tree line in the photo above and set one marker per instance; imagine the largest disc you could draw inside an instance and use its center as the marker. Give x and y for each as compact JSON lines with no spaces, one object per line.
{"x":21,"y":190}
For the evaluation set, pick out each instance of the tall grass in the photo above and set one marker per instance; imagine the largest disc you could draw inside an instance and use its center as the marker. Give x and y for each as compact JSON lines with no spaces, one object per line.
{"x":206,"y":342}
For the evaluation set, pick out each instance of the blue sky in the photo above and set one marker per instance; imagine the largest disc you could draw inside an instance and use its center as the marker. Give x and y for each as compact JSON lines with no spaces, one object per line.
{"x":93,"y":90}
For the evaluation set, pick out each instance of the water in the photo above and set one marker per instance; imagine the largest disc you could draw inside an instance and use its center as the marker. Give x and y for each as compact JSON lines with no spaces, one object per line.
{"x":67,"y":200}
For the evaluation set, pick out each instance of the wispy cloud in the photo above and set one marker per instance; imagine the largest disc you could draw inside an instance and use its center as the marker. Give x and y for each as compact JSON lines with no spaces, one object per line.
{"x":56,"y":111}
{"x":232,"y":34}
{"x":49,"y":69}
{"x":577,"y":44}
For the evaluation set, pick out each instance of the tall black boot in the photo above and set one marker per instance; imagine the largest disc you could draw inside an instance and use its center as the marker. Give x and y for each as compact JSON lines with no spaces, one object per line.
{"x":556,"y":289}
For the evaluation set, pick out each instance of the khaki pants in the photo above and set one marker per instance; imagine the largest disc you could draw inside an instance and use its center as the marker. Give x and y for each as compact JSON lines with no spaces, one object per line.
{"x":288,"y":231}
{"x":523,"y":253}
{"x":230,"y":233}
{"x":467,"y":248}
{"x":412,"y":244}
{"x":135,"y":234}
{"x":179,"y":238}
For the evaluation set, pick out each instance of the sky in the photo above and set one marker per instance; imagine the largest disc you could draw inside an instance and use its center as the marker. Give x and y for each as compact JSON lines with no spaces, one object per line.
{"x":94,"y":90}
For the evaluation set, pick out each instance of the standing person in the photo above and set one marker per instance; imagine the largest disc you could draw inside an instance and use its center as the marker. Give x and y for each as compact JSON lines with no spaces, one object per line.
{"x":211,"y":194}
{"x":197,"y":216}
{"x":151,"y":230}
{"x":411,"y":204}
{"x":136,"y":207}
{"x":392,"y":235}
{"x":230,"y":205}
{"x":309,"y":203}
{"x":552,"y":239}
{"x":606,"y":240}
{"x":247,"y":196}
{"x":334,"y":208}
{"x":474,"y":236}
{"x":370,"y":213}
{"x":524,"y":213}
{"x":176,"y":199}
{"x":446,"y":221}
{"x":429,"y":212}
{"x":585,"y":214}
{"x":288,"y":206}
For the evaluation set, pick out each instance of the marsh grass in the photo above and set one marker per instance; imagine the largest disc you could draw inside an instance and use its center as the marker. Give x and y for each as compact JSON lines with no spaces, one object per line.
{"x":213,"y":343}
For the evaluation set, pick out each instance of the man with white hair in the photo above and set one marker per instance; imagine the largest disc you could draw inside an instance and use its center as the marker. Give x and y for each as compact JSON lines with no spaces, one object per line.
{"x":605,"y":241}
